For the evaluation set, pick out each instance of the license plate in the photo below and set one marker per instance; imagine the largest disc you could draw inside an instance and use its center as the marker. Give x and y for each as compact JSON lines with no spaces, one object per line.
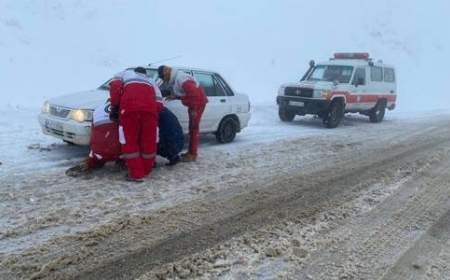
{"x":297,"y":103}
{"x":53,"y":125}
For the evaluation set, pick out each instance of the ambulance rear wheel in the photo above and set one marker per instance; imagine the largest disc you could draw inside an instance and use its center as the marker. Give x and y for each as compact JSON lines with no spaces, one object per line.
{"x":227,"y":130}
{"x":335,"y":114}
{"x":376,"y":115}
{"x":285,"y":115}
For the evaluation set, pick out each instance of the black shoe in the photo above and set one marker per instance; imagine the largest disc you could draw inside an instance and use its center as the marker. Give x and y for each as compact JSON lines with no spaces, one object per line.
{"x":129,"y":179}
{"x":173,"y":161}
{"x":78,"y":170}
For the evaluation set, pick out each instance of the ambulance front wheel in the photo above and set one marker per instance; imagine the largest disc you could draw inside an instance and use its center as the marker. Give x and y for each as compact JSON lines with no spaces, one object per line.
{"x":285,"y":115}
{"x":376,"y":115}
{"x":335,"y":114}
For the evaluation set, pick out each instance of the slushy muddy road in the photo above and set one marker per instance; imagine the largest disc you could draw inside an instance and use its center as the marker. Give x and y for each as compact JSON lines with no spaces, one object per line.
{"x":364,"y":201}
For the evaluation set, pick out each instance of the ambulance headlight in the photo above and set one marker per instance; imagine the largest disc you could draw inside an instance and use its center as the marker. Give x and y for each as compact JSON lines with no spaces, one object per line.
{"x":81,"y":115}
{"x":45,"y":108}
{"x":281,"y":90}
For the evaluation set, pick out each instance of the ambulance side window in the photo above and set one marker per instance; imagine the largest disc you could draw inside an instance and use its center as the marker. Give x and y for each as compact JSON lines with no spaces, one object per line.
{"x":376,"y":74}
{"x":389,"y":75}
{"x":360,"y":77}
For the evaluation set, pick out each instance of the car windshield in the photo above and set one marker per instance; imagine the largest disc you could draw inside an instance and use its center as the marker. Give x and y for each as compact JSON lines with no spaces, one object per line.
{"x":331,"y":73}
{"x":152,"y":73}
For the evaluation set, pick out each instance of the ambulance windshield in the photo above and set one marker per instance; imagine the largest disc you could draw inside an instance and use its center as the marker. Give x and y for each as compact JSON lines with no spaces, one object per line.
{"x":331,"y":73}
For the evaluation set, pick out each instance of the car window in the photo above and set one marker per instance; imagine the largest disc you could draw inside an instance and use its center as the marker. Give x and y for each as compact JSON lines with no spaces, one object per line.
{"x":224,"y":85}
{"x":360,"y":75}
{"x":389,"y":75}
{"x":152,"y":73}
{"x":376,"y":74}
{"x":219,"y":88}
{"x":207,"y":82}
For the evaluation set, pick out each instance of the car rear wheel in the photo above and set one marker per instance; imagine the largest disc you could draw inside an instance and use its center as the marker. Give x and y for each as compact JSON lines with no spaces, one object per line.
{"x":227,"y":130}
{"x":334,"y":115}
{"x":376,"y":115}
{"x":285,"y":115}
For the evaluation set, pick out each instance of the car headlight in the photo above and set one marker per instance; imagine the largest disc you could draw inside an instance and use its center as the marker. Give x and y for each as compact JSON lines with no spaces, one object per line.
{"x":46,"y":107}
{"x":81,"y":115}
{"x":281,"y":90}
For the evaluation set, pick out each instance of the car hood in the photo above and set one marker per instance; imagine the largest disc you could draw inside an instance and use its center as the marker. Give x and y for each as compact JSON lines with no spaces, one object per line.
{"x":310,"y":84}
{"x":81,"y":100}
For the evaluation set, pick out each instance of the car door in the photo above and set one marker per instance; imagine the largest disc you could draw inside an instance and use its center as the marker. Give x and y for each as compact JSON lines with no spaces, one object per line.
{"x":218,"y":105}
{"x":179,"y":109}
{"x":359,"y":89}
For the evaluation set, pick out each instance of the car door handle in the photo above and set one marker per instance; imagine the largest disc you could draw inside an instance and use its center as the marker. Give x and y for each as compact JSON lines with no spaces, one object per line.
{"x":223,"y":100}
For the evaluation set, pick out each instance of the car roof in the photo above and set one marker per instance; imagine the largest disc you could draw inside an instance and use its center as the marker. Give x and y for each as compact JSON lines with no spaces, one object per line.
{"x":155,"y":67}
{"x":352,"y":62}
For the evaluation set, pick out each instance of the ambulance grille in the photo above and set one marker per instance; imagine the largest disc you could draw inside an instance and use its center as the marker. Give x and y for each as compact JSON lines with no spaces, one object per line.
{"x":299,"y":92}
{"x":58,"y":111}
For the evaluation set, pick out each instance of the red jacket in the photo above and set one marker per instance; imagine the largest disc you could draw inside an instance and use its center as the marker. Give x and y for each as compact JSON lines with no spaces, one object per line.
{"x":131,"y":92}
{"x":195,"y":95}
{"x":188,"y":89}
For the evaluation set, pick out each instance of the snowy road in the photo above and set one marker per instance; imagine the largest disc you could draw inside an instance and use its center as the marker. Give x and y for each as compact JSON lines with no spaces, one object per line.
{"x":274,"y":203}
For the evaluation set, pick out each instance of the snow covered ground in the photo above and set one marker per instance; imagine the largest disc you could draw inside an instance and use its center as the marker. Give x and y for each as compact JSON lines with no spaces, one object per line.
{"x":41,"y":207}
{"x":25,"y":149}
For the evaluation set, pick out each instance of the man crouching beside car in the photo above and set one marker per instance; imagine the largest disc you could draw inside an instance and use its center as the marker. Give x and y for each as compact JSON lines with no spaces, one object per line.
{"x":105,"y":145}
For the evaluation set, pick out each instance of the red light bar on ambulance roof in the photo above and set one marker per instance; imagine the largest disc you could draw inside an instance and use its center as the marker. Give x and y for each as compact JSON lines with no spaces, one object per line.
{"x":364,"y":56}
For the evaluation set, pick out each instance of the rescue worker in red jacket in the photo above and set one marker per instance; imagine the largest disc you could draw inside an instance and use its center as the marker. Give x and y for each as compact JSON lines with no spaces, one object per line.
{"x":105,"y":145}
{"x":104,"y":142}
{"x":104,"y":134}
{"x":133,"y":96}
{"x":192,"y":95}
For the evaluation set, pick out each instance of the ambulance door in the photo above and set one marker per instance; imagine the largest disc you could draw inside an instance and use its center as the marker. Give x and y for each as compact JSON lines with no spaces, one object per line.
{"x":360,"y":87}
{"x":377,"y":85}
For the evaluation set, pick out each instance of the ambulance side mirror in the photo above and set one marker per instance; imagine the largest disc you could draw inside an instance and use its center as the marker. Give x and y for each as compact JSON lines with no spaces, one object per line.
{"x":359,"y":82}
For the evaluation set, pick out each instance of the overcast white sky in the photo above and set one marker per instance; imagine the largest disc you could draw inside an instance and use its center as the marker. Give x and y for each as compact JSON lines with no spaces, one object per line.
{"x":48,"y":48}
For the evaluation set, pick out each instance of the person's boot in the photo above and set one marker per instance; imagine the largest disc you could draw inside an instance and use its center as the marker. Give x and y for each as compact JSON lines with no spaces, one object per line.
{"x":188,"y":157}
{"x":78,"y":170}
{"x":135,"y":180}
{"x":173,"y":161}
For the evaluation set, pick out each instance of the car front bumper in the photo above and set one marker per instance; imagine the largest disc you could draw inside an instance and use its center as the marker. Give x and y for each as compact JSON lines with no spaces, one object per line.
{"x":303,"y":105}
{"x":65,"y":129}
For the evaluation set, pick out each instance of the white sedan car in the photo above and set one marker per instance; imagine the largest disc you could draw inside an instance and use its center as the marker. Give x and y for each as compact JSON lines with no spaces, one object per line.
{"x":69,"y":117}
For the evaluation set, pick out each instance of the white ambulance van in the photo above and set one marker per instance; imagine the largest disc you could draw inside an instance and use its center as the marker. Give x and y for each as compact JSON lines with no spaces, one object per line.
{"x":348,"y":82}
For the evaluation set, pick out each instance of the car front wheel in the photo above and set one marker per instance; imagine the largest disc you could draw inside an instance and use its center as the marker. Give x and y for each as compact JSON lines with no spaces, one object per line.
{"x":227,"y":130}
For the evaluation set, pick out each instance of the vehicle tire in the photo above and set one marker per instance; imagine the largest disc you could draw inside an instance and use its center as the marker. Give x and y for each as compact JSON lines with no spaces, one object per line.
{"x":334,"y":115}
{"x":285,"y":115}
{"x":227,"y":130}
{"x":376,"y":115}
